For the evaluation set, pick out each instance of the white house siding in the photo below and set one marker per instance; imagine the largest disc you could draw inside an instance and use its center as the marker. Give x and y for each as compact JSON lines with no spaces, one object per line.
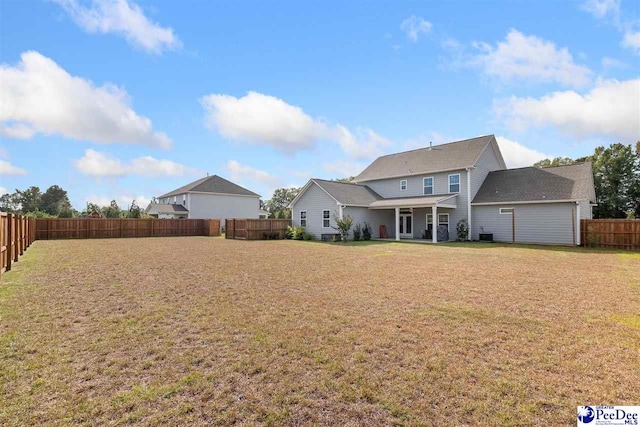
{"x":314,"y":201}
{"x":222,"y":206}
{"x":486,"y":163}
{"x":375,"y":218}
{"x":586,"y":210}
{"x":547,"y":223}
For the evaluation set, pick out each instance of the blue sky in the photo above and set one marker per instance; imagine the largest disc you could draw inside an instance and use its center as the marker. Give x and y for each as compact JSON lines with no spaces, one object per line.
{"x":122,"y":99}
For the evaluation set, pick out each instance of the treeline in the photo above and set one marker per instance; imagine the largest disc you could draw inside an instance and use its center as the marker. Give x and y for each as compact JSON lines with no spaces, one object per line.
{"x":54,"y":203}
{"x":616,"y":175}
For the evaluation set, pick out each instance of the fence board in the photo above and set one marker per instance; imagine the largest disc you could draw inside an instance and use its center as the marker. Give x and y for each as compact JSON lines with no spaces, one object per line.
{"x":105,"y":228}
{"x":256,"y":229}
{"x":611,"y":233}
{"x":16,"y":235}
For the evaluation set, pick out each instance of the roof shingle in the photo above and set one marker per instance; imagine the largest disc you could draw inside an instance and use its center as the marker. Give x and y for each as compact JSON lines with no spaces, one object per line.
{"x":569,"y":182}
{"x":349,"y":194}
{"x":212,"y":184}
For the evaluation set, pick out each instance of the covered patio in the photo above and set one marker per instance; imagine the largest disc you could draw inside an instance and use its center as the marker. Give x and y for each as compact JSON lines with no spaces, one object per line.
{"x":431,"y":208}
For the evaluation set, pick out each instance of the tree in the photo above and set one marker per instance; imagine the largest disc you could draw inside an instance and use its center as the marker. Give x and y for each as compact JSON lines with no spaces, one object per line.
{"x":30,"y":199}
{"x":54,"y":200}
{"x":558,"y":161}
{"x":91,"y":207}
{"x":277,"y":205}
{"x":134,"y":210}
{"x":112,"y":211}
{"x":10,"y":203}
{"x":617,"y":180}
{"x":343,"y":226}
{"x":346,"y":180}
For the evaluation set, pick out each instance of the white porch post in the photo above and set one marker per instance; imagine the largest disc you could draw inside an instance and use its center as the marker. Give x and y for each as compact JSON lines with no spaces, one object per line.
{"x":578,"y":223}
{"x":397,"y":223}
{"x":434,"y":233}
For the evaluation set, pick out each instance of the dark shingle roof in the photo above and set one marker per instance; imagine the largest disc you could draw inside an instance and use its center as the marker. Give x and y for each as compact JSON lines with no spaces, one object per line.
{"x":570,"y":182}
{"x":212,"y":184}
{"x":443,"y":157}
{"x":166,"y":208}
{"x":349,"y":194}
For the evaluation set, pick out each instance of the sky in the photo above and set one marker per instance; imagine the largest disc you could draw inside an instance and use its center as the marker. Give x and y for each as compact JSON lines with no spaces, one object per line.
{"x":124,"y":100}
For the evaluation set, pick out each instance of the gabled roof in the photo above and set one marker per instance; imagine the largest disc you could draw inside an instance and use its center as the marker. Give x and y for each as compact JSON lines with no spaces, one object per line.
{"x":446,"y":200}
{"x":212,"y":184}
{"x":439,"y":158}
{"x":166,"y":208}
{"x":566,"y":183}
{"x":344,"y":193}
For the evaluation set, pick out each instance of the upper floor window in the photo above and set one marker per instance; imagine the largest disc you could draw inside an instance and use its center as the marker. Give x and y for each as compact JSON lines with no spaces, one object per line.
{"x":326,"y":219}
{"x":454,"y":183}
{"x":184,"y":199}
{"x":175,"y":199}
{"x":303,"y":218}
{"x":427,"y":185}
{"x":403,"y":184}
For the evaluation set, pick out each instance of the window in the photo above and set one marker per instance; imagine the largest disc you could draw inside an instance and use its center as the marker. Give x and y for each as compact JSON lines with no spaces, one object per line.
{"x":184,"y":199}
{"x":506,"y":211}
{"x":303,"y":218}
{"x":443,"y":219}
{"x":175,"y":199}
{"x":326,"y":219}
{"x":429,"y":220}
{"x":403,"y":184}
{"x":427,"y":185}
{"x":454,"y":183}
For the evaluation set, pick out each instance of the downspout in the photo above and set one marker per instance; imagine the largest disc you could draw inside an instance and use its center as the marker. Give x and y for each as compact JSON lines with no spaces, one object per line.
{"x":578,"y":223}
{"x":469,"y":202}
{"x":340,"y":211}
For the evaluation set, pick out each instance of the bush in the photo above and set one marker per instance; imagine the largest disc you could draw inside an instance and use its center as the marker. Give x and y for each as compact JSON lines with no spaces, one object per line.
{"x":366,"y":231}
{"x":462,"y":228}
{"x":307,"y":236}
{"x":288,"y":234}
{"x":343,"y":226}
{"x":297,"y":233}
{"x":357,"y":232}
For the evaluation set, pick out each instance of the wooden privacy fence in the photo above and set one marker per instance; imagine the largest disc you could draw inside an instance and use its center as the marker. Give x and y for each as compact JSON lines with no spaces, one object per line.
{"x":611,"y":233}
{"x":256,"y":229}
{"x":99,"y":228}
{"x":17,"y":232}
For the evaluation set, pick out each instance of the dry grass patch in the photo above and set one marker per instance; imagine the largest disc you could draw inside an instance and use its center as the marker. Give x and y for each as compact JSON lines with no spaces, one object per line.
{"x":207,"y":331}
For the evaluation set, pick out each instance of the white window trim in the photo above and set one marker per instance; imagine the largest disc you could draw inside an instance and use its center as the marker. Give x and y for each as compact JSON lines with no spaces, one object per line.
{"x":305,"y":218}
{"x":448,"y":221}
{"x":458,"y":184}
{"x":323,"y":218}
{"x":406,"y":185}
{"x":433,"y":185}
{"x":505,"y":213}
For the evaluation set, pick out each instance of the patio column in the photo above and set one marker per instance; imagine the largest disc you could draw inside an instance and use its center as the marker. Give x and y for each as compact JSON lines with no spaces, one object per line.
{"x":397,"y":223}
{"x":434,"y":233}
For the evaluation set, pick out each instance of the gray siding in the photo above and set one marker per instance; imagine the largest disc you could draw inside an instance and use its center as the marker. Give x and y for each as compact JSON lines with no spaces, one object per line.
{"x":486,"y":163}
{"x":586,"y":210}
{"x":547,"y":223}
{"x":222,"y":206}
{"x":314,"y":201}
{"x":375,"y":218}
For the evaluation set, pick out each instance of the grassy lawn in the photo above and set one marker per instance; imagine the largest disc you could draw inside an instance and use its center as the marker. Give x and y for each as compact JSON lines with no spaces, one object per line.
{"x":205,"y":331}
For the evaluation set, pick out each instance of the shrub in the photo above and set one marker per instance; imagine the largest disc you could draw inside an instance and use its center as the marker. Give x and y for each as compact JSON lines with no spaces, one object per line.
{"x":297,"y":233}
{"x":307,"y":236}
{"x":462,"y":228}
{"x":357,"y":232}
{"x":343,"y":226}
{"x":288,"y":234}
{"x":366,"y":231}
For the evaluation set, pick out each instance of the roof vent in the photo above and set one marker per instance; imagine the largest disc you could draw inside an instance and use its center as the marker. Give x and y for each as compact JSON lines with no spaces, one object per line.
{"x":430,"y":145}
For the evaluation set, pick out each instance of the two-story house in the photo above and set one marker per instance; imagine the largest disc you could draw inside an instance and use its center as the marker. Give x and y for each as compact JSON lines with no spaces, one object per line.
{"x":205,"y":198}
{"x":425,"y":193}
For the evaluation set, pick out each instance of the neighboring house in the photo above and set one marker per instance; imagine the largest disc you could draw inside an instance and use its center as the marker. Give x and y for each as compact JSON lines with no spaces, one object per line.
{"x":409,"y":192}
{"x":209,"y":197}
{"x":262,"y":214}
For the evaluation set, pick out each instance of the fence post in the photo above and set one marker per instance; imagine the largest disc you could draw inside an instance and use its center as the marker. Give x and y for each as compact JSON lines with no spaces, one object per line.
{"x":9,"y":241}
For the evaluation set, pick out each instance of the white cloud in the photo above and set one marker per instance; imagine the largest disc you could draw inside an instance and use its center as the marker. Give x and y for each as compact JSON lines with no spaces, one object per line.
{"x":263,"y":119}
{"x":99,"y":164}
{"x":632,"y":40}
{"x":517,"y":155}
{"x":267,"y":120}
{"x":7,"y":168}
{"x":601,"y":8}
{"x":343,"y":169}
{"x":413,"y":26}
{"x":609,"y":63}
{"x":124,"y":18}
{"x":611,"y":109}
{"x":40,"y":97}
{"x":3,"y":191}
{"x":522,"y":57}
